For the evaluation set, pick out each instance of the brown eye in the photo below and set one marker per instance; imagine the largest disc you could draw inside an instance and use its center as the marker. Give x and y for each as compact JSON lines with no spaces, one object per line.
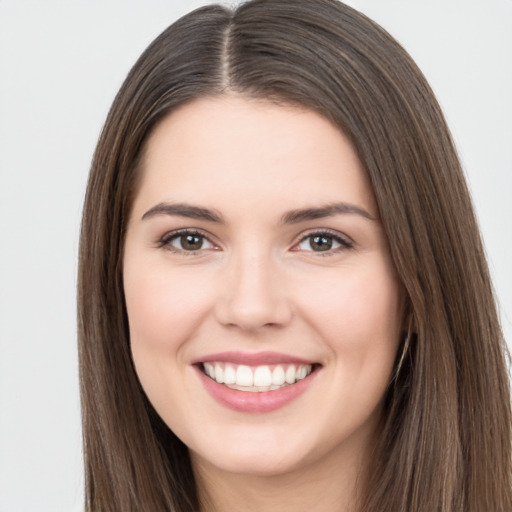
{"x":191,"y":242}
{"x":323,"y":242}
{"x":186,"y":242}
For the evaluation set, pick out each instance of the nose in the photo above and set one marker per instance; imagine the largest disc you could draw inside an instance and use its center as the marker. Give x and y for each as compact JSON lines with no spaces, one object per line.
{"x":253,"y":294}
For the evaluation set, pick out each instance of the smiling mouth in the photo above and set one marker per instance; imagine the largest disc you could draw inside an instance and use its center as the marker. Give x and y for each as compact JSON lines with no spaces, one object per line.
{"x":256,"y":378}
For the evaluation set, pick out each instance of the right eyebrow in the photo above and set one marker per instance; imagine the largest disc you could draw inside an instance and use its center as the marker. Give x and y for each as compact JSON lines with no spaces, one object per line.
{"x":184,"y":210}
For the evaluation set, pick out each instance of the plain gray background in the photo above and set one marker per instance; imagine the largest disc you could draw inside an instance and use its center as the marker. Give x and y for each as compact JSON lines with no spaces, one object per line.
{"x":61,"y":62}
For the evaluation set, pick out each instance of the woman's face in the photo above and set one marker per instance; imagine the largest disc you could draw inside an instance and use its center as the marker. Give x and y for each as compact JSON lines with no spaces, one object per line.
{"x":263,"y":305}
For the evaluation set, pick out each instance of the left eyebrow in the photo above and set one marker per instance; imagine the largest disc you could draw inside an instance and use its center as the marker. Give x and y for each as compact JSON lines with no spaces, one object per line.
{"x":301,"y":215}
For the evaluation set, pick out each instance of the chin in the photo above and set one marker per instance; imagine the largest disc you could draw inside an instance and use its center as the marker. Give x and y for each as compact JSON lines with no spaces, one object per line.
{"x":257,"y":463}
{"x":259,"y":457}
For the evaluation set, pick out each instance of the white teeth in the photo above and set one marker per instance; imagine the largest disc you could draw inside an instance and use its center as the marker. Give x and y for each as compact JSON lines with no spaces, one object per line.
{"x":301,"y":373}
{"x":290,"y":374}
{"x":243,"y":376}
{"x":262,"y":376}
{"x":258,"y":378}
{"x":219,"y":374}
{"x":278,"y":376}
{"x":209,"y":370}
{"x":229,"y":375}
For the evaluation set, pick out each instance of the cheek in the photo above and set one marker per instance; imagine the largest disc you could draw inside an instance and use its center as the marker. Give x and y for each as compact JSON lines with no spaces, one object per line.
{"x":162,"y":305}
{"x":358,"y":313}
{"x":360,"y":321}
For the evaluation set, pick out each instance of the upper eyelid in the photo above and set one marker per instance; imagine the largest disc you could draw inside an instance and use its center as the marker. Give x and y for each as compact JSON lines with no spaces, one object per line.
{"x":299,"y":238}
{"x":331,"y":232}
{"x":170,"y":235}
{"x":183,"y":231}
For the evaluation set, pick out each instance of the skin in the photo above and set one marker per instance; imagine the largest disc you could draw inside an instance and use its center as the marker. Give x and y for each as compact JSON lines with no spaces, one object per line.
{"x":258,"y":284}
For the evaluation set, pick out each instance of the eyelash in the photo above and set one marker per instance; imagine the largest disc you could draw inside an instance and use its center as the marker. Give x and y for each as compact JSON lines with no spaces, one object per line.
{"x":344,"y":242}
{"x":168,"y":238}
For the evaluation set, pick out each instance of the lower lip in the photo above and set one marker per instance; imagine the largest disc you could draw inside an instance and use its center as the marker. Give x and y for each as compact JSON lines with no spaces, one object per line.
{"x":254,"y":402}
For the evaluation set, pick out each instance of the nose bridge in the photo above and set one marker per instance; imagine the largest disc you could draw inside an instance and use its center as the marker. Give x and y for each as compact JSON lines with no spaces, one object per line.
{"x":253,"y":295}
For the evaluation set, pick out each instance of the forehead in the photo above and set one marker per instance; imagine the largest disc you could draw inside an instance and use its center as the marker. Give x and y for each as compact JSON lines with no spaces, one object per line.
{"x":230,"y":148}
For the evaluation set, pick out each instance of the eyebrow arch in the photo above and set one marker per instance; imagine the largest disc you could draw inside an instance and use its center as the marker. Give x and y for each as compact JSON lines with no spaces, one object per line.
{"x":301,"y":215}
{"x":184,"y":210}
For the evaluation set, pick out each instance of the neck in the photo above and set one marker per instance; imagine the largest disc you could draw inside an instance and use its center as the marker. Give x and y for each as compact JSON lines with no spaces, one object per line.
{"x":325,"y":486}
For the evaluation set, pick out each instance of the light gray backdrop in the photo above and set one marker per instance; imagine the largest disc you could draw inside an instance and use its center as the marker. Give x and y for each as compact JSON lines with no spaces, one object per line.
{"x":61,"y":63}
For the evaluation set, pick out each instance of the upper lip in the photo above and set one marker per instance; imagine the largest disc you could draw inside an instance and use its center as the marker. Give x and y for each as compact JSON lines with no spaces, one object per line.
{"x":252,"y":359}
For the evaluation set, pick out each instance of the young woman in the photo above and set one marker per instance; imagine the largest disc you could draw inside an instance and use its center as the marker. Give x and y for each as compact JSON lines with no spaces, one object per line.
{"x":283,"y":298}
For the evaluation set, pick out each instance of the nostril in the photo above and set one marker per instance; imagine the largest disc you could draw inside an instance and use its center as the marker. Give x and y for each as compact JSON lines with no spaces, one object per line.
{"x":253,"y":313}
{"x":253,"y":295}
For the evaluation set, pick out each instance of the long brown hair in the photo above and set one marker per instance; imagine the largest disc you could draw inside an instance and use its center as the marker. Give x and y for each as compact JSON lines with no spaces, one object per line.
{"x":445,"y":443}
